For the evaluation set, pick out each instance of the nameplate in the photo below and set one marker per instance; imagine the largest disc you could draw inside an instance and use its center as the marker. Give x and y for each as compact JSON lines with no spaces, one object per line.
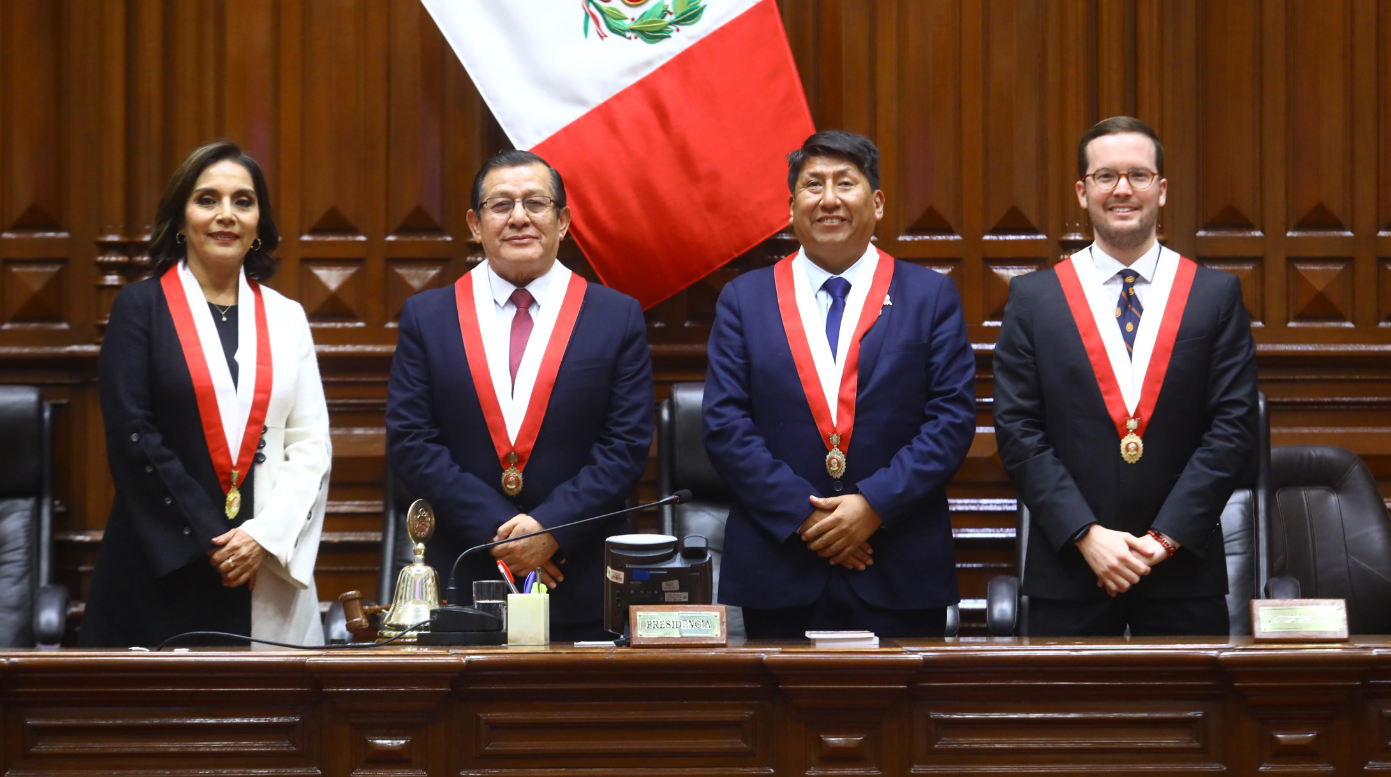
{"x":1299,"y":620}
{"x":678,"y":625}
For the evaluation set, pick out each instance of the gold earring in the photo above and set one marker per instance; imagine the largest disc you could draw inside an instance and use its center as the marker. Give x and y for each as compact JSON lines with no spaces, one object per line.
{"x":256,"y":246}
{"x":179,"y":238}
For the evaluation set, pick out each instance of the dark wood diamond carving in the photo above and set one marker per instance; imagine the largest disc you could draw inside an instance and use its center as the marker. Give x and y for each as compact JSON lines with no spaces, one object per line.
{"x":405,"y":278}
{"x":1320,"y":292}
{"x":33,"y":292}
{"x":332,"y":291}
{"x":333,"y":222}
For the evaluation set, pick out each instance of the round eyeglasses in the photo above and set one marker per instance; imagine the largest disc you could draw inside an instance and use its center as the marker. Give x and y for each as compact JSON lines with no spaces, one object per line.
{"x":1108,"y":179}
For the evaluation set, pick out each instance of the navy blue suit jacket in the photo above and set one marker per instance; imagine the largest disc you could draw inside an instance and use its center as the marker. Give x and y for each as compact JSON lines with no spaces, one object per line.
{"x":914,"y":420}
{"x":591,"y":449}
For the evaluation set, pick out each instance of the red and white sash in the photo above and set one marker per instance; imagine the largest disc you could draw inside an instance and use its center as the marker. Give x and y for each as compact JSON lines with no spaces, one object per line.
{"x":842,"y":423}
{"x":1141,"y":409}
{"x":514,"y":417}
{"x":232,"y":415}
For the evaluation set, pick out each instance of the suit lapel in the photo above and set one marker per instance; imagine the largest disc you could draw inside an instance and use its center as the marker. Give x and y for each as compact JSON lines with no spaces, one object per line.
{"x":873,"y":342}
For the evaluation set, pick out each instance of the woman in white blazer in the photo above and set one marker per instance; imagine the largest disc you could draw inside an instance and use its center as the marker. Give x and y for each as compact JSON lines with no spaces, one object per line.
{"x":216,"y":429}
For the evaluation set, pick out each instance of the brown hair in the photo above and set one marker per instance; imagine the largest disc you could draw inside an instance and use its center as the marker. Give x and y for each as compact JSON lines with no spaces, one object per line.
{"x":166,"y":251}
{"x":1117,"y":125}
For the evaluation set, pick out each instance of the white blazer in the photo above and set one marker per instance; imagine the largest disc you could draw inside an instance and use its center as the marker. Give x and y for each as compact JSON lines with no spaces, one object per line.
{"x":291,"y":486}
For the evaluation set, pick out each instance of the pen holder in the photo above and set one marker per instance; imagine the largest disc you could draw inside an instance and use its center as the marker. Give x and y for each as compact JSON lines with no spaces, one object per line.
{"x":528,"y":619}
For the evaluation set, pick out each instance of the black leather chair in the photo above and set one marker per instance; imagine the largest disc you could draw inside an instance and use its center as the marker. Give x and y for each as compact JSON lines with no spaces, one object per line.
{"x":32,"y":611}
{"x":1330,"y":531}
{"x":683,"y":463}
{"x":1244,"y":522}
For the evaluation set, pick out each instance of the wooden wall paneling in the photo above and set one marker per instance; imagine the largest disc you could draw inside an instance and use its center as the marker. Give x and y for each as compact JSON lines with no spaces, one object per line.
{"x":1229,"y":119}
{"x":112,"y":51}
{"x":920,"y":107}
{"x":1383,"y":123}
{"x":1365,"y":105}
{"x":1113,"y":46}
{"x":1080,"y":41}
{"x":249,"y":94}
{"x":338,"y":158}
{"x":1319,"y":117}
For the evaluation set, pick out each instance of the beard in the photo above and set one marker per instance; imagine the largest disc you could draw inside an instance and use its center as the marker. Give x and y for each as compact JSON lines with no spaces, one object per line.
{"x":1126,"y":236}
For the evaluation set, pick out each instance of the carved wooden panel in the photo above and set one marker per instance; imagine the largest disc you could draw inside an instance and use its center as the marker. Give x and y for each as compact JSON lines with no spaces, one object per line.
{"x":1013,"y":120}
{"x":35,"y":117}
{"x":1320,"y":292}
{"x":1230,"y":110}
{"x":33,"y":293}
{"x":1319,"y":113}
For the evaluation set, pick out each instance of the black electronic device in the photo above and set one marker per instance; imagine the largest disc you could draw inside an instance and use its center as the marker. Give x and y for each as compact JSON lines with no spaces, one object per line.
{"x":454,"y":624}
{"x":654,"y":569}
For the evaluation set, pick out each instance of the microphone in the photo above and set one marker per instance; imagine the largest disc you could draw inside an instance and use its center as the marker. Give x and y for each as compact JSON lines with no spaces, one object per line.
{"x":452,"y":592}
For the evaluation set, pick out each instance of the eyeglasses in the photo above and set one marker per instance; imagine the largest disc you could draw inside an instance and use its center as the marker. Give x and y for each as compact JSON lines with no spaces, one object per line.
{"x":502,"y":207}
{"x":1108,"y":179}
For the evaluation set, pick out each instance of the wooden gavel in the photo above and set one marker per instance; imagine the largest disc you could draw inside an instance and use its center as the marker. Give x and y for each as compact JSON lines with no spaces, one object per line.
{"x":355,"y":612}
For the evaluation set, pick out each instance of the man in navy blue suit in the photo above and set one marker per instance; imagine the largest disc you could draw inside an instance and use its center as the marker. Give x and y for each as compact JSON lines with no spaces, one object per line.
{"x":838,"y":404}
{"x":521,"y":399}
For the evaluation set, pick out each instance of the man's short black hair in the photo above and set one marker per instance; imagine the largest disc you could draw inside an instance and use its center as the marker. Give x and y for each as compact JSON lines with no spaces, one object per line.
{"x":1117,"y":125}
{"x":515,"y":158}
{"x":858,"y":149}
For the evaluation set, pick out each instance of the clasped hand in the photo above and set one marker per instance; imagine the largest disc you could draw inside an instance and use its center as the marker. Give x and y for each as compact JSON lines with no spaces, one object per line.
{"x":238,"y":558}
{"x":839,"y":528}
{"x":1119,"y":558}
{"x":526,"y":555}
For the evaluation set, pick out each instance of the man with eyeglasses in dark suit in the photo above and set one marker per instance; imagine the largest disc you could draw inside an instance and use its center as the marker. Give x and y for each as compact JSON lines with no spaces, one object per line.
{"x":1125,"y":407}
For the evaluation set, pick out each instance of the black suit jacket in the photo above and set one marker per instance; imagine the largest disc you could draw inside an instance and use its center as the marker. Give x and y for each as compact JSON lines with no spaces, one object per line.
{"x":589,"y":454}
{"x":152,"y":577}
{"x":1061,"y":449}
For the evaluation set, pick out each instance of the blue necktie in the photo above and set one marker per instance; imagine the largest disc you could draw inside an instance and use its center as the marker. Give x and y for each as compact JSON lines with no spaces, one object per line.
{"x":1129,"y":309}
{"x":838,"y":288}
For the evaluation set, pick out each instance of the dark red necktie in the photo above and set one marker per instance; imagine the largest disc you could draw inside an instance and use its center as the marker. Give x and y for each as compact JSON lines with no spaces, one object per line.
{"x":521,"y":330}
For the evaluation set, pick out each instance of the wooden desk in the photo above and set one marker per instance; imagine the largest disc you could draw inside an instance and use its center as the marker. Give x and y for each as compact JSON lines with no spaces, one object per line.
{"x":928,"y":707}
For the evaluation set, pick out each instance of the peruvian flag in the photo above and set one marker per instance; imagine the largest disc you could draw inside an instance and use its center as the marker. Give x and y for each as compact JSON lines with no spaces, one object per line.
{"x":670,"y":120}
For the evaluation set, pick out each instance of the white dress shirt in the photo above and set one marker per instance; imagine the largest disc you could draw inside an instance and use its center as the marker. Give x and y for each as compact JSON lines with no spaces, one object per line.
{"x":817,"y":277}
{"x":548,"y":292}
{"x":502,"y":299}
{"x":1101,"y":282}
{"x":1109,"y":268}
{"x":814,"y":305}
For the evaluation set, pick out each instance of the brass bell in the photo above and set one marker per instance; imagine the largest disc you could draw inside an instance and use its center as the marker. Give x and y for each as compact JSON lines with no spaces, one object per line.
{"x":417,"y":587}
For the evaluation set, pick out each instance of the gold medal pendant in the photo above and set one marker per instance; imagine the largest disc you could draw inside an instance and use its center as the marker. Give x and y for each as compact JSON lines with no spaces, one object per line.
{"x":233,"y":503}
{"x":835,"y":460}
{"x":512,"y":477}
{"x":1132,"y":447}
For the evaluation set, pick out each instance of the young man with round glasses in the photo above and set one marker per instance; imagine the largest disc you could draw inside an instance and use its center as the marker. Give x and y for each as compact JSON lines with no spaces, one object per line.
{"x":521,"y":398}
{"x":1125,"y":408}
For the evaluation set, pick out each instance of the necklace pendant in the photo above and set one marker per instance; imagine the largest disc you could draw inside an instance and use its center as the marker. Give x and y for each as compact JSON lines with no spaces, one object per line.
{"x":512,"y":477}
{"x":835,"y":460}
{"x":1132,"y":447}
{"x":233,"y":504}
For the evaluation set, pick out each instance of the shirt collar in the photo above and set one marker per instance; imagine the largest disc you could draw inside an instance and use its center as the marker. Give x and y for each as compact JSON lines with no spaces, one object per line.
{"x":502,"y":288}
{"x":817,"y":276}
{"x":1107,"y":266}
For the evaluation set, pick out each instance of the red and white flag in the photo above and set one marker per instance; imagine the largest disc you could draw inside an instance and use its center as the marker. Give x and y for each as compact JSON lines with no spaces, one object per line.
{"x":671,"y":121}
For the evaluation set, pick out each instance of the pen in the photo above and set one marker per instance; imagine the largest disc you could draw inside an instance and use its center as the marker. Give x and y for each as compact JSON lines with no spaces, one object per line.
{"x":540,"y":588}
{"x":530,"y":581}
{"x":507,"y":575}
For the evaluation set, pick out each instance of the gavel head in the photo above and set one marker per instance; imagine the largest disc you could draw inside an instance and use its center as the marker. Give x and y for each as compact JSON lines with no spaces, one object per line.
{"x":353,"y":612}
